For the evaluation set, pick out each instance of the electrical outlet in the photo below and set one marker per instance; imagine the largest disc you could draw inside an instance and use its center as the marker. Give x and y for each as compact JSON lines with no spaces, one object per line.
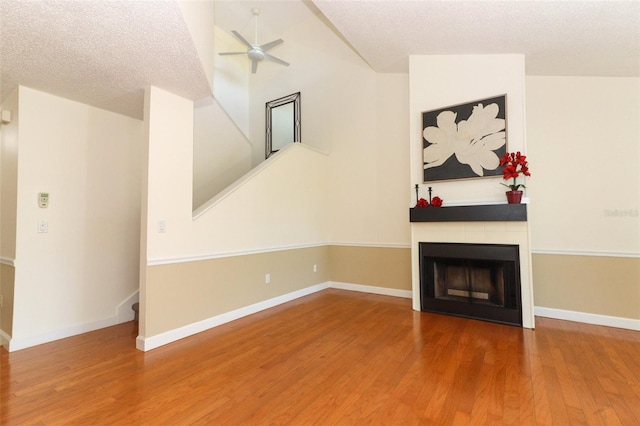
{"x":267,"y":278}
{"x":315,"y":268}
{"x":43,"y":226}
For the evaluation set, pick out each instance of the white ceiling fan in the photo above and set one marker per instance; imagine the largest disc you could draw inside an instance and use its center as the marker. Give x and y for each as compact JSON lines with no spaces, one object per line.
{"x":257,"y":52}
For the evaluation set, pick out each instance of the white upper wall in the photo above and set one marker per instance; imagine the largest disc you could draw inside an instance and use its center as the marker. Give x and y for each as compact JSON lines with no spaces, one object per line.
{"x":353,"y":114}
{"x":88,"y":160}
{"x":440,"y":81}
{"x":221,"y":152}
{"x":231,"y":80}
{"x":370,"y":163}
{"x":285,"y":206}
{"x":584,"y":147}
{"x":199,"y":17}
{"x":9,"y":179}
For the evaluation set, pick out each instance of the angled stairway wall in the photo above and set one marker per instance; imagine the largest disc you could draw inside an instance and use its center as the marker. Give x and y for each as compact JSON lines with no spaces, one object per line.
{"x":273,"y":221}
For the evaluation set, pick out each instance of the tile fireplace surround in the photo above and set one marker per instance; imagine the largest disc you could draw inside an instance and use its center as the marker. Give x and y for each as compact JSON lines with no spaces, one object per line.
{"x":485,"y":224}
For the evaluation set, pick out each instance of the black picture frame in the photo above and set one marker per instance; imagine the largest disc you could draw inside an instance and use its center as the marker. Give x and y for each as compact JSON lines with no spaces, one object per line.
{"x":457,"y":150}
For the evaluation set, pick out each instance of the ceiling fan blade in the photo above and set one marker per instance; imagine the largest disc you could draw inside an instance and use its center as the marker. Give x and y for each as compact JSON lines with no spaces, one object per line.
{"x":254,"y":66}
{"x":271,"y":44}
{"x":274,"y":59}
{"x":233,"y":53}
{"x":242,"y":39}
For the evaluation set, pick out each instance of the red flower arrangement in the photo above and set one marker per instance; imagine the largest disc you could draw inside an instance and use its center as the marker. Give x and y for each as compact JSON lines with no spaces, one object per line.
{"x":422,"y":203}
{"x":435,"y":202}
{"x":514,"y":163}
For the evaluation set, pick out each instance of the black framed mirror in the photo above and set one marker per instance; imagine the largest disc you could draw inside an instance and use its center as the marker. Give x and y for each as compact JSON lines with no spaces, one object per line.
{"x":282,"y":123}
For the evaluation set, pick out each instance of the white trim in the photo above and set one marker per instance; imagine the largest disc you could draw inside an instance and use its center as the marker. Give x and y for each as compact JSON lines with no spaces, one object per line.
{"x":407,"y":294}
{"x":17,"y":343}
{"x":123,"y":314}
{"x":4,"y":340}
{"x":561,"y":314}
{"x":8,"y":261}
{"x":197,"y":258}
{"x":147,"y":343}
{"x":372,"y":245}
{"x":586,"y":253}
{"x":211,"y":256}
{"x":124,"y":311}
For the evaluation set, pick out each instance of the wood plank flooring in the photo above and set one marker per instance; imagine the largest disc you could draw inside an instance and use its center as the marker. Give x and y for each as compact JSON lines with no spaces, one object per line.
{"x":332,"y":358}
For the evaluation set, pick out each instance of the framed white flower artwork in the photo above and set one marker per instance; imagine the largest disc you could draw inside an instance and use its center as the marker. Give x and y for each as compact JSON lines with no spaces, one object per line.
{"x":464,"y":141}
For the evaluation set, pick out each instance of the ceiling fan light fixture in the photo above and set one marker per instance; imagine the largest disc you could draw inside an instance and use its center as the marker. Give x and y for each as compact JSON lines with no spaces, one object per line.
{"x":256,"y":52}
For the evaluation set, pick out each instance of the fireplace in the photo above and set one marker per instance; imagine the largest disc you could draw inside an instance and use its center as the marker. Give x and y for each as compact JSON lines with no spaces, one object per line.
{"x":503,"y":229}
{"x":479,"y":281}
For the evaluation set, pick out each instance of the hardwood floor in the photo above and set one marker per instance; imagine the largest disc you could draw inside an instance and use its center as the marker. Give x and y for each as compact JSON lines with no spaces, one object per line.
{"x":332,"y":358}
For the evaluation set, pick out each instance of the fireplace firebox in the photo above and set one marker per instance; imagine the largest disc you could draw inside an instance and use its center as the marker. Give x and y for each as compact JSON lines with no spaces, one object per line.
{"x":479,"y":281}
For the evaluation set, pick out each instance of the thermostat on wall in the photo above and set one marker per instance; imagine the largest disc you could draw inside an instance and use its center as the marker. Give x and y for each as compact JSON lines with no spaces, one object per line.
{"x":43,"y":200}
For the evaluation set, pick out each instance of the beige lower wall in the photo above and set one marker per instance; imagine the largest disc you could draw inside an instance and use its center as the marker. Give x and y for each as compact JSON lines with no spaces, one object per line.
{"x":590,"y":284}
{"x":180,"y":294}
{"x":375,"y":266}
{"x":7,"y":279}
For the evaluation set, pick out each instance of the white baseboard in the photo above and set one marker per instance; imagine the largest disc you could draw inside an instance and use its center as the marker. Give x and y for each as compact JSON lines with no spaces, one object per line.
{"x":17,"y":343}
{"x":147,"y":343}
{"x":125,"y":310}
{"x":8,"y":261}
{"x":408,"y":294}
{"x":124,"y":313}
{"x":4,"y":340}
{"x":596,"y":319}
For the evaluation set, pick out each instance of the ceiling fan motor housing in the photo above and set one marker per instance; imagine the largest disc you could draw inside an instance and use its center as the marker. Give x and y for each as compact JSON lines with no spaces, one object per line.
{"x":256,"y":54}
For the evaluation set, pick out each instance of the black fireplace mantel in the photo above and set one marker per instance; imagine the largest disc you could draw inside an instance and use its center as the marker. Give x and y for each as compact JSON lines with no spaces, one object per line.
{"x":482,"y":213}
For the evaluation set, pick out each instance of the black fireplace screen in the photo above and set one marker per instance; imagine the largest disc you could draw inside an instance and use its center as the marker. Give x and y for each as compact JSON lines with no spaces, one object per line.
{"x":471,"y":280}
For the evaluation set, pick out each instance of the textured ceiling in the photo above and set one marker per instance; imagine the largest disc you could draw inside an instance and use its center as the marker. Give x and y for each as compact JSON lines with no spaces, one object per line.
{"x":105,"y":52}
{"x":582,"y":38}
{"x":274,"y":17}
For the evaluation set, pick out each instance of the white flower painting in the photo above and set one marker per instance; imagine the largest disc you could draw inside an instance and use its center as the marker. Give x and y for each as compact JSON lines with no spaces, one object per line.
{"x":464,"y":141}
